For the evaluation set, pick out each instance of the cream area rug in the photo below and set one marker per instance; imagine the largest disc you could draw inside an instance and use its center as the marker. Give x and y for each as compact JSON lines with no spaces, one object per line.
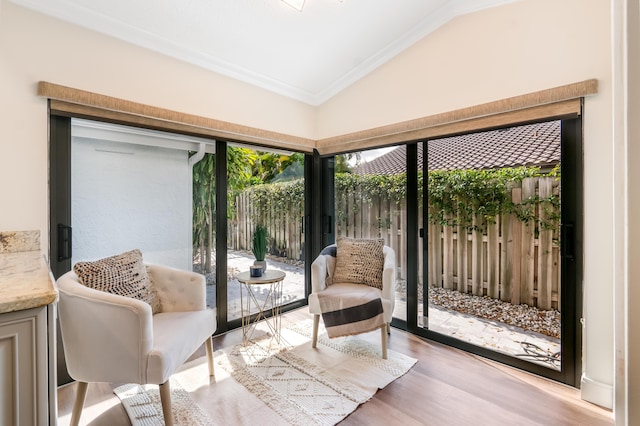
{"x":271,"y":383}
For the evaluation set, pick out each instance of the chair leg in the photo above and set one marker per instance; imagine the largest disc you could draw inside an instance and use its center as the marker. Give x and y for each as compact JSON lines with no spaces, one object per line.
{"x":81,"y":394}
{"x":314,"y":337}
{"x":383,"y":334}
{"x":165,"y":399}
{"x":388,"y":328}
{"x":208,"y":345}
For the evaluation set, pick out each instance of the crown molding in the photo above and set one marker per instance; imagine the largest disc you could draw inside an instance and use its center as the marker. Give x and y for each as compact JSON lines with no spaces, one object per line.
{"x":87,"y":18}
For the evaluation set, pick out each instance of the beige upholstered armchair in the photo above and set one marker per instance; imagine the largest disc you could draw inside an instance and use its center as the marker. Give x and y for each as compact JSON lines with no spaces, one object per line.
{"x":350,"y":300}
{"x":118,"y":339}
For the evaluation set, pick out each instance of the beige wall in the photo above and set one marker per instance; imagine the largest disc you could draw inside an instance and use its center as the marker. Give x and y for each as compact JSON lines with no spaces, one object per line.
{"x":626,"y":69}
{"x":501,"y":52}
{"x":34,"y":47}
{"x":498,"y":53}
{"x":481,"y":57}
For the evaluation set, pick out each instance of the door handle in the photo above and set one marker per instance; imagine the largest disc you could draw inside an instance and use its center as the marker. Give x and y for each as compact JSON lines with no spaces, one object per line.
{"x":64,"y":242}
{"x":567,"y":242}
{"x":328,"y":224}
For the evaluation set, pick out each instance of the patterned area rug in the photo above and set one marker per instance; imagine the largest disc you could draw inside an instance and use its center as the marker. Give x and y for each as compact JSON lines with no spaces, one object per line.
{"x":274,"y":383}
{"x":142,"y":404}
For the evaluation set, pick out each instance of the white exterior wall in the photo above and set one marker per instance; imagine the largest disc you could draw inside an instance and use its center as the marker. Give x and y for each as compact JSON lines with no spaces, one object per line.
{"x":128,"y":196}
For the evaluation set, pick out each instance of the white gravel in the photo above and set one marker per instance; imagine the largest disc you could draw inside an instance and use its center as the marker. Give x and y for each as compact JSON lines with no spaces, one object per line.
{"x":523,"y":316}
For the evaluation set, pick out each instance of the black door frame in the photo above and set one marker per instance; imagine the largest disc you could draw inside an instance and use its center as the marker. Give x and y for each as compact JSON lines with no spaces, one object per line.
{"x":319,"y":231}
{"x":60,"y":221}
{"x":60,"y":217}
{"x":571,"y":230}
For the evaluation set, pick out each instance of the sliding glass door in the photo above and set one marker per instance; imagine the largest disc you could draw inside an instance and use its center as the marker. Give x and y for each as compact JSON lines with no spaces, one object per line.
{"x":487,"y":233}
{"x":186,"y":202}
{"x":370,"y":202}
{"x":266,"y":189}
{"x":498,"y":268}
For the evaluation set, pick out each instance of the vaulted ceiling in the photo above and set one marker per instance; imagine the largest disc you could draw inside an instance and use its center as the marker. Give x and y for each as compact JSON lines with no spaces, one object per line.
{"x":309,"y":55}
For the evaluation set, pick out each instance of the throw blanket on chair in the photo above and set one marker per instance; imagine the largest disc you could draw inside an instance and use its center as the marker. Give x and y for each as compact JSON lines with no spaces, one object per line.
{"x":350,"y":309}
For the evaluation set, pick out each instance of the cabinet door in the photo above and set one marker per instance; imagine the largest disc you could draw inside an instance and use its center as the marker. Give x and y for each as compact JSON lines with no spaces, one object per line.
{"x":23,"y":367}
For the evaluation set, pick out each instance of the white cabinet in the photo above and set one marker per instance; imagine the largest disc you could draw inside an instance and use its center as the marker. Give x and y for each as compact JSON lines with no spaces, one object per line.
{"x":25,"y":383}
{"x":27,"y":332}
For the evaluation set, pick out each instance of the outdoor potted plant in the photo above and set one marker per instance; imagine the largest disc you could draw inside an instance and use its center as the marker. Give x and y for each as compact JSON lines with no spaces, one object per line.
{"x":260,"y":246}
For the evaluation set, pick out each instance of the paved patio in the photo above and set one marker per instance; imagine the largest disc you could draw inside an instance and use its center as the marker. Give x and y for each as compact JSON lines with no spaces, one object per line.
{"x":528,"y":345}
{"x":511,"y":340}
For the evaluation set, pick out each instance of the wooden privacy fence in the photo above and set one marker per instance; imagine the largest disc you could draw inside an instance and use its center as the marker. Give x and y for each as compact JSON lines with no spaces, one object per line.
{"x":283,"y":222}
{"x":510,"y":260}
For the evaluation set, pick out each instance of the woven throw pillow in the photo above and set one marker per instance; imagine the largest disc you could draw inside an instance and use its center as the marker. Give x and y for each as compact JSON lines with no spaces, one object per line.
{"x":124,"y":274}
{"x":359,"y":262}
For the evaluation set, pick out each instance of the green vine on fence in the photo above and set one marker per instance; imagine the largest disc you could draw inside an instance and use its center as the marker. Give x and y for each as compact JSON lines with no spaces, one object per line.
{"x":457,"y":197}
{"x":467,"y":198}
{"x":275,"y":197}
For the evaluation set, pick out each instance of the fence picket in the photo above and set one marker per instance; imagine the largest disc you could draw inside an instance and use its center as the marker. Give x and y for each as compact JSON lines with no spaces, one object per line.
{"x":437,"y":255}
{"x":476,"y":257}
{"x":527,"y":253}
{"x":372,"y":215}
{"x":514,"y":251}
{"x":357,"y":212}
{"x":493,"y":261}
{"x":447,"y":261}
{"x":545,"y":250}
{"x":461,"y":259}
{"x":505,"y":270}
{"x":507,"y":262}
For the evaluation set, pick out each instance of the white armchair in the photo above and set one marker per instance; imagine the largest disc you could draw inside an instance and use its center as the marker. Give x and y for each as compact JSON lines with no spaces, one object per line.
{"x":117,"y":339}
{"x":322,"y":270}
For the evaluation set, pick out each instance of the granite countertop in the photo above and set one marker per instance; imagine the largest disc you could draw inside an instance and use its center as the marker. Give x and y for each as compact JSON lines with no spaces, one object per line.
{"x":25,"y":279}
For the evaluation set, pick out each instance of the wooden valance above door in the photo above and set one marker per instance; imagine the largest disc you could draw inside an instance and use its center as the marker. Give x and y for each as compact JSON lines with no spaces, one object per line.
{"x":556,"y":103}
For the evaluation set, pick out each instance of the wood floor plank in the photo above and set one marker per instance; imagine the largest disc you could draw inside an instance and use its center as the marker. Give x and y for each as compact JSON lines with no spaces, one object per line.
{"x":445,"y":387}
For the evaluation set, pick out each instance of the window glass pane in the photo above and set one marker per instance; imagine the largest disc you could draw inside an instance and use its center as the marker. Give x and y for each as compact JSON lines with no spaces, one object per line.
{"x":370,"y":202}
{"x":204,"y":222}
{"x":265,"y":189}
{"x":493,"y":269}
{"x":131,"y":189}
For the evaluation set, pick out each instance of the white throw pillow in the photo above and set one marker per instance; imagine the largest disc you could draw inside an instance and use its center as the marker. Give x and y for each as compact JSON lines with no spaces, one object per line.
{"x":123,"y":274}
{"x":359,"y":261}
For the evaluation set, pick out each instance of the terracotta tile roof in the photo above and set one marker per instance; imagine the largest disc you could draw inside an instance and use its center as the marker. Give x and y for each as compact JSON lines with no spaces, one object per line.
{"x":531,"y":145}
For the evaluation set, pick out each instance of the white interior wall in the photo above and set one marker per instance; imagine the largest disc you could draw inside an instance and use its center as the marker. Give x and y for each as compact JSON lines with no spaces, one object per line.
{"x":626,"y":70}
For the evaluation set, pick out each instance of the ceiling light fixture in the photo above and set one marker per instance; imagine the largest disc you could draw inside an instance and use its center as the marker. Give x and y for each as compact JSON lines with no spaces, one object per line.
{"x":296,"y":4}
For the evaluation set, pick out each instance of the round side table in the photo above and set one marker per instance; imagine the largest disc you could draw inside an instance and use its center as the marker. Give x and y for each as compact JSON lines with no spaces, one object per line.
{"x":273,"y":280}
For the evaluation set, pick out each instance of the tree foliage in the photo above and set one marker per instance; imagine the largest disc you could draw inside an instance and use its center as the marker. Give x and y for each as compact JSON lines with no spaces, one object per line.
{"x":245,"y":168}
{"x":271,"y":165}
{"x":204,"y":201}
{"x":344,"y":163}
{"x":456,"y":197}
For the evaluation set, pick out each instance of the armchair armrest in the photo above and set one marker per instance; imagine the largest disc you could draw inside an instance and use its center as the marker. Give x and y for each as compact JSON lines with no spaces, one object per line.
{"x":178,"y":290}
{"x":318,"y":274}
{"x":86,"y":315}
{"x":389,"y":274}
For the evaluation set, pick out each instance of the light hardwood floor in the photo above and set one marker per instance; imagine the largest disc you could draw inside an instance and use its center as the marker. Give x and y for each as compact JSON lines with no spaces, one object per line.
{"x":446,"y":387}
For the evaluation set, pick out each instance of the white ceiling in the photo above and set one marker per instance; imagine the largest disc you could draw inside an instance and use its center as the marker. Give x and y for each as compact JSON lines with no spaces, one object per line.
{"x":309,"y":56}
